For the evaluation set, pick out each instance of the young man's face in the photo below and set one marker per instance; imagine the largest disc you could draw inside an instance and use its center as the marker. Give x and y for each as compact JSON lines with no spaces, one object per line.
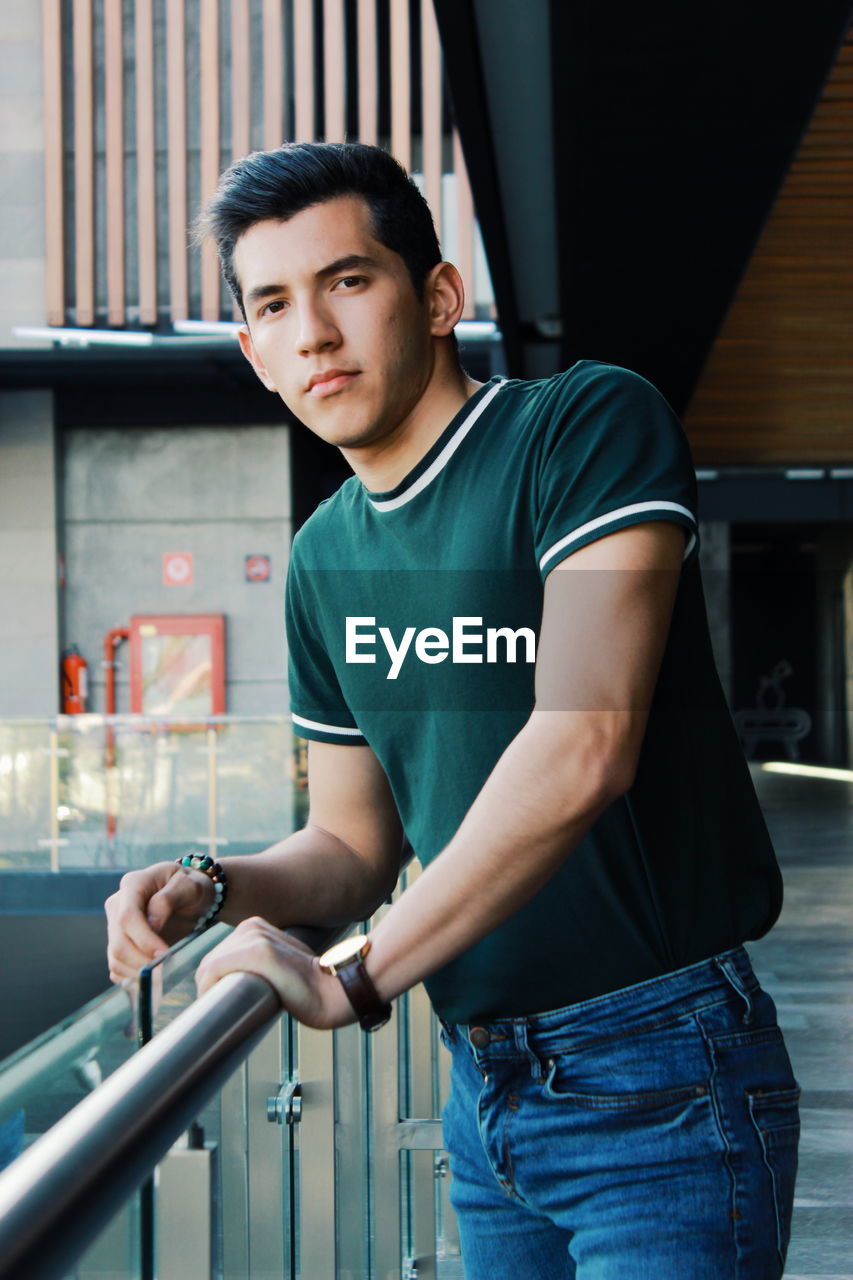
{"x":335,"y":325}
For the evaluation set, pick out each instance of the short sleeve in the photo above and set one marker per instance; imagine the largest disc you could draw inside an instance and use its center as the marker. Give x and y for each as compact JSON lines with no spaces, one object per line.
{"x":614,"y":454}
{"x":317,"y":705}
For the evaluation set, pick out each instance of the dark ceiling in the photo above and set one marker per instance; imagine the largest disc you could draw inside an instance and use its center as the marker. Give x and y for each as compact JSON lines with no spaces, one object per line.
{"x":624,"y":158}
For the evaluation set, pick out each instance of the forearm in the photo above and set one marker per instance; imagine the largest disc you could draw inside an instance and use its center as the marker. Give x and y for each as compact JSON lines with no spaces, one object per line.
{"x":544,"y":793}
{"x":311,"y":878}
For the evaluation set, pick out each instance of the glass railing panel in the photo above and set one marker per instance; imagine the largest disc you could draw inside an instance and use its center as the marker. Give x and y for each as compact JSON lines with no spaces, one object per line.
{"x":84,"y":799}
{"x":261,"y":791}
{"x":167,"y":986}
{"x":140,"y":790}
{"x":228,"y":1179}
{"x":96,"y":793}
{"x":125,"y":790}
{"x":46,"y":1078}
{"x":27,"y":783}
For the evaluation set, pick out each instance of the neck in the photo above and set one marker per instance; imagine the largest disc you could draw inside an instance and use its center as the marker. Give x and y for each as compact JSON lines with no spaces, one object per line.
{"x":381,"y":466}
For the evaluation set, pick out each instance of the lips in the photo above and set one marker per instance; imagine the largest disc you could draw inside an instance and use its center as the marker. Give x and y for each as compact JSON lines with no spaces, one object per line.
{"x":330,"y":381}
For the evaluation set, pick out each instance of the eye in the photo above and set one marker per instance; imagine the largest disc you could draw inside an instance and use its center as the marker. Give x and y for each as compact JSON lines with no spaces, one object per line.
{"x":351,"y":282}
{"x":271,"y":308}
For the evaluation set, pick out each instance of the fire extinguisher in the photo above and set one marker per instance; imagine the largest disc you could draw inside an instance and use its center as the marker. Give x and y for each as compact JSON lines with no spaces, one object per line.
{"x":75,"y":681}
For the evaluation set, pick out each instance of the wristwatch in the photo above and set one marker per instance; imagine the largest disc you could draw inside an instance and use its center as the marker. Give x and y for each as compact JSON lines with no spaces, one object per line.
{"x":345,"y":960}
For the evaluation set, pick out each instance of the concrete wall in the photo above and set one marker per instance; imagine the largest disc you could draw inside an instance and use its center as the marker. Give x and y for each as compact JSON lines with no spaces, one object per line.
{"x":29,"y":647}
{"x":22,"y":262}
{"x":221,"y":493}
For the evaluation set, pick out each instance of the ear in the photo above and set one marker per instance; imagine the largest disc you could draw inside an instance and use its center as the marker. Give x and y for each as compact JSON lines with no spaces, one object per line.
{"x":444,"y":295}
{"x":247,"y":346}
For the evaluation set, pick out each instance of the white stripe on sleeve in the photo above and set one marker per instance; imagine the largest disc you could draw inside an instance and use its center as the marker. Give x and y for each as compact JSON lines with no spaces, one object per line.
{"x":611,"y":517}
{"x":326,"y":728}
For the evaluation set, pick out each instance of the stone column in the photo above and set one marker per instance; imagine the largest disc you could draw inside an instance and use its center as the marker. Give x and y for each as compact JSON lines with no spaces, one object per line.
{"x":29,"y":641}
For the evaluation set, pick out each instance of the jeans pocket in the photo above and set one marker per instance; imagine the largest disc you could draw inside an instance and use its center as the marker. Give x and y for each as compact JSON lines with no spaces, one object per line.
{"x":664,"y":1065}
{"x":558,"y":1087}
{"x":775,"y":1116}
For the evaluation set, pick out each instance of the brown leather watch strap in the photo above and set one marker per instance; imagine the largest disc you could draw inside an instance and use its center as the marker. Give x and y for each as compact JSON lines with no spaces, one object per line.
{"x":371,"y":1010}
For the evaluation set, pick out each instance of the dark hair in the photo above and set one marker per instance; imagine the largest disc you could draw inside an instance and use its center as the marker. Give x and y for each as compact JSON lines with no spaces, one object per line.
{"x":280,"y":183}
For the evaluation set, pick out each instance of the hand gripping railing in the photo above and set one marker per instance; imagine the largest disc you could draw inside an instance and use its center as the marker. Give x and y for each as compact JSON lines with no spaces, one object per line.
{"x":62,"y":1191}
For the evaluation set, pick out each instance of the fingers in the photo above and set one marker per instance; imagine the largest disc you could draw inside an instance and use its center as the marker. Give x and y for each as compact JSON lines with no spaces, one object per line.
{"x":186,"y":893}
{"x":132,"y":927}
{"x":256,"y":946}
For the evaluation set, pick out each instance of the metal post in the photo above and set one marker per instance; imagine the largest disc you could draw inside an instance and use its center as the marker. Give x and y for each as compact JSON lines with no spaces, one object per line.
{"x":353,"y":1154}
{"x":54,"y":800}
{"x":269,"y":1188}
{"x":385,"y":1098}
{"x":212,"y":787}
{"x":421,"y":1163}
{"x":54,"y":841}
{"x":234,"y":1175}
{"x":421,"y":1235}
{"x":316,"y":1139}
{"x":447,"y":1227}
{"x":184,"y":1189}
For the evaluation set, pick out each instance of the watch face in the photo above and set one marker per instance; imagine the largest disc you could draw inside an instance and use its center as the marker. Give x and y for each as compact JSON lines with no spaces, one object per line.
{"x":344,"y":952}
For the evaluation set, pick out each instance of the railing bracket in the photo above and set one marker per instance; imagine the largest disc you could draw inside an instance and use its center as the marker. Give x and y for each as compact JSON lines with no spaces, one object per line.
{"x":286,"y":1106}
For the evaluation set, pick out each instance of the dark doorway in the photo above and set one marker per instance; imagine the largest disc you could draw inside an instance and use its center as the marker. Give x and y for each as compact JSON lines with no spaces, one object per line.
{"x":787,"y":636}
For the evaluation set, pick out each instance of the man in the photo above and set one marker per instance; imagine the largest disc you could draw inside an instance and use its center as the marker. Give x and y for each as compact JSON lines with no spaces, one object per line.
{"x":498,"y":645}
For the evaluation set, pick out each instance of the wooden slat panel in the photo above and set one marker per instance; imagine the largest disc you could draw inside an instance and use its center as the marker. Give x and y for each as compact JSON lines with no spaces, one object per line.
{"x":368,"y":73}
{"x":778,"y":385}
{"x":464,"y":227}
{"x":274,"y":126}
{"x":333,"y":71}
{"x":303,"y":58}
{"x":177,"y":166}
{"x":84,"y":164}
{"x":146,"y":196}
{"x":114,"y":145}
{"x":54,"y":186}
{"x":241,"y":86}
{"x":401,"y":87}
{"x":431,"y":111}
{"x":240,"y":82}
{"x":209,"y":57}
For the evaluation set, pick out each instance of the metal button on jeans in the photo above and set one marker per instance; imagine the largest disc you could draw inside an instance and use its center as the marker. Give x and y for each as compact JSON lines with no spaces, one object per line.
{"x":479,"y":1037}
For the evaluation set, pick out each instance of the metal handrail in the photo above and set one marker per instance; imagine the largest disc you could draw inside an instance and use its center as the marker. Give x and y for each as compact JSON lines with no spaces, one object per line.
{"x":63,"y":1190}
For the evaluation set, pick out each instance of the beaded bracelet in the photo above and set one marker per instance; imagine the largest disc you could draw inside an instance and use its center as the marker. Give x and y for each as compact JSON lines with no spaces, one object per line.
{"x":215,"y":872}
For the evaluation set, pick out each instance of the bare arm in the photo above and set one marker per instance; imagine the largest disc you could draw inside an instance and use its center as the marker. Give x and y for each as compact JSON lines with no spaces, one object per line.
{"x":606,"y":618}
{"x":343,"y":863}
{"x":339,"y":868}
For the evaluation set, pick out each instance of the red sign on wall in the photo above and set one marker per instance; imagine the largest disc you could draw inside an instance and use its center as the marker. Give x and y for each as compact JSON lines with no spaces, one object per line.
{"x":178,"y":569}
{"x":258,"y":568}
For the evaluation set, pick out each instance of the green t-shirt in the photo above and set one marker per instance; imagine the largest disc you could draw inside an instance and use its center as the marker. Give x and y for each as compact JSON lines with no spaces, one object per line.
{"x":412,"y":620}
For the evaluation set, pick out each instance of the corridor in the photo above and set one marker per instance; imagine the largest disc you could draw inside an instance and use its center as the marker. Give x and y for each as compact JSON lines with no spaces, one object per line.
{"x":806,"y":963}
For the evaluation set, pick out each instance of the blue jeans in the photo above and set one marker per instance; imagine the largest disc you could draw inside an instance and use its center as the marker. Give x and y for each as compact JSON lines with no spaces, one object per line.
{"x":649,"y":1134}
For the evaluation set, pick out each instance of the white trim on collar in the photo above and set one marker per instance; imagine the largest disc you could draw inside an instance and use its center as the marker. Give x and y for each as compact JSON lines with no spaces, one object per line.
{"x":439,"y":462}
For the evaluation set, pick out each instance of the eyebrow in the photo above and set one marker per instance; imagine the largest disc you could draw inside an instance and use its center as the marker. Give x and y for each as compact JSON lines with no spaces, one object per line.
{"x":348,"y":263}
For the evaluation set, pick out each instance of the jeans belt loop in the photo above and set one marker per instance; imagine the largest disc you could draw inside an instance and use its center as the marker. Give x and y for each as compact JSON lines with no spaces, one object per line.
{"x":730,"y":973}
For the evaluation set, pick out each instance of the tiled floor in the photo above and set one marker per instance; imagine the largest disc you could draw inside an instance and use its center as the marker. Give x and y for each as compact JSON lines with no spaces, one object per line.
{"x":806,"y":963}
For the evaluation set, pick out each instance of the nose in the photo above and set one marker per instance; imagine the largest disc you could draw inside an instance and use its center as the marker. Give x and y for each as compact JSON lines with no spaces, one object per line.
{"x":316,"y":330}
